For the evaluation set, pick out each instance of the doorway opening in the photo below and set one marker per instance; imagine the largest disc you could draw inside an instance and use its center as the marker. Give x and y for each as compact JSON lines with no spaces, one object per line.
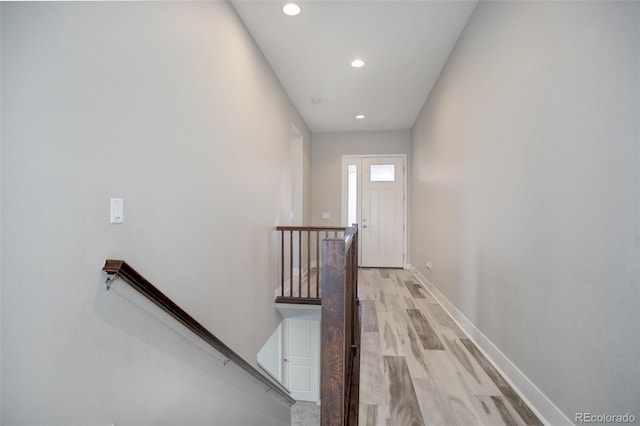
{"x":374,"y":191}
{"x":297,"y":160}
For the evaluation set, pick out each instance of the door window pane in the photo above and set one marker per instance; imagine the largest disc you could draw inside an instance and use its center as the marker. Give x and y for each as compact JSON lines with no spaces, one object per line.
{"x":352,"y":214}
{"x":383,"y":173}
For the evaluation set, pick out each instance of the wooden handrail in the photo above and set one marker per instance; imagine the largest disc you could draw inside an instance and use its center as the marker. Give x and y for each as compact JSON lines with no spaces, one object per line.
{"x":121,"y":269}
{"x":311,"y":228}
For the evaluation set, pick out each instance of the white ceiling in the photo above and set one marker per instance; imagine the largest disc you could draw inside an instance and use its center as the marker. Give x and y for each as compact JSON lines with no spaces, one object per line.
{"x":403,"y":43}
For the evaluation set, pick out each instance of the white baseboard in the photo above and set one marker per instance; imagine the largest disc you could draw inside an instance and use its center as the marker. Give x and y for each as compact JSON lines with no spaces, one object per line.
{"x":546,"y":410}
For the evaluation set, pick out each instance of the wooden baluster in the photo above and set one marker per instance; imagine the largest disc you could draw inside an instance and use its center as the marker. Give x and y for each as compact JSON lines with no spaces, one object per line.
{"x":318,"y":266}
{"x":282,"y":263}
{"x":290,"y":263}
{"x":299,"y":263}
{"x":308,"y":264}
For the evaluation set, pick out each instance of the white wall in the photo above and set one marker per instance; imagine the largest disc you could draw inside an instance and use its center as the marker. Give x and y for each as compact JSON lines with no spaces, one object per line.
{"x":172,"y":107}
{"x":327,"y":150}
{"x":526,"y":193}
{"x":270,"y":355}
{"x":0,"y":217}
{"x":298,"y":181}
{"x":306,"y":186}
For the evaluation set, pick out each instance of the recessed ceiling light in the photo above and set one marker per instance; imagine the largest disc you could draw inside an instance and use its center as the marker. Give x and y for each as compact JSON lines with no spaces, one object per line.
{"x":358,"y":63}
{"x":291,"y":9}
{"x":316,"y":100}
{"x":359,"y":116}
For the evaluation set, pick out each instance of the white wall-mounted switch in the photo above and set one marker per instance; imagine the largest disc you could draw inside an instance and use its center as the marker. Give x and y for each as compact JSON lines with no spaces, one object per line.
{"x":326,"y":215}
{"x":117,"y":210}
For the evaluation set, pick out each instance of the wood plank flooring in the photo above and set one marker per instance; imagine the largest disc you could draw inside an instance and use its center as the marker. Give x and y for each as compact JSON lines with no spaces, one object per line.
{"x":419,"y":368}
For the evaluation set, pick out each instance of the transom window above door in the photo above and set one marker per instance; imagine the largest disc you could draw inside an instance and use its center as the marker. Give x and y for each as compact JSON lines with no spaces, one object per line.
{"x":382,"y":173}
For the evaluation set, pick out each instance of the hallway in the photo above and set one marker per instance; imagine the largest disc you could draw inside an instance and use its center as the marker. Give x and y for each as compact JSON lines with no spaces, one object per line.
{"x":519,"y":121}
{"x":418,"y":367}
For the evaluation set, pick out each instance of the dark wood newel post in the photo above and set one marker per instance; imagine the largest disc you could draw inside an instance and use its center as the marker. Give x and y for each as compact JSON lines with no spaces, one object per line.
{"x":333,"y":333}
{"x":340,"y":363}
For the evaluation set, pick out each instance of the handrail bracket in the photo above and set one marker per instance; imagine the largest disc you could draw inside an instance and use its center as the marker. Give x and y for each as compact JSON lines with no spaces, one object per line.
{"x":111,"y":277}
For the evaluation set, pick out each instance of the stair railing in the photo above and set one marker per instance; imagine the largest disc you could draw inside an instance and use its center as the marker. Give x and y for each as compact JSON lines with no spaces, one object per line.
{"x":119,"y":269}
{"x":300,"y":262}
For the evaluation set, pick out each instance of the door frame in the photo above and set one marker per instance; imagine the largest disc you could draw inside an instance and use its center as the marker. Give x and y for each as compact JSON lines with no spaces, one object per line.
{"x":357,"y":160}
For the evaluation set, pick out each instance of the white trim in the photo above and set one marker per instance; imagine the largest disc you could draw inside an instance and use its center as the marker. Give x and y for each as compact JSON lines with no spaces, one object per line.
{"x":344,"y":193}
{"x":308,"y":312}
{"x":542,"y":406}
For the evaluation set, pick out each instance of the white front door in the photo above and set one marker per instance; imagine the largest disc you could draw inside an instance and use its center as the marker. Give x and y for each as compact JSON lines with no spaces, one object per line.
{"x":382,"y":212}
{"x":301,"y":362}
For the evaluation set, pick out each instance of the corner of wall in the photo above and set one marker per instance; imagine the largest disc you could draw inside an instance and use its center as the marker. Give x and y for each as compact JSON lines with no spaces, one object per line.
{"x":0,"y":213}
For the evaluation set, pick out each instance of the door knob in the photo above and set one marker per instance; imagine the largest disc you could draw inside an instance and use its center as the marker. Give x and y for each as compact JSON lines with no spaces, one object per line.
{"x":286,"y":360}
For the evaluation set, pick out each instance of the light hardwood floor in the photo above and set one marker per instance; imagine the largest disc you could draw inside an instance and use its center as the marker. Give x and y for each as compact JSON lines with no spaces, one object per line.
{"x":305,"y":285}
{"x":419,"y":368}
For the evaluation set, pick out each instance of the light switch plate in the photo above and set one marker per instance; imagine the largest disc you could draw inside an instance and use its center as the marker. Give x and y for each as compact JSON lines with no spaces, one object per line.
{"x":117,"y":210}
{"x":326,"y":215}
